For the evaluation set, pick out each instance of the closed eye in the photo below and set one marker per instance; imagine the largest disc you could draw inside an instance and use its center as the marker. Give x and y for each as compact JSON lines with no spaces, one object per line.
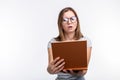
{"x":65,"y":19}
{"x":73,"y":18}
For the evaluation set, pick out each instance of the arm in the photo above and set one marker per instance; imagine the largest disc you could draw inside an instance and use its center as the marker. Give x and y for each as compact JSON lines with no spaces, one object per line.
{"x":89,"y":49}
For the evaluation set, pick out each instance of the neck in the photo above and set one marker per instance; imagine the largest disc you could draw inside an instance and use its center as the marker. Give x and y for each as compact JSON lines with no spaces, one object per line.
{"x":69,"y":36}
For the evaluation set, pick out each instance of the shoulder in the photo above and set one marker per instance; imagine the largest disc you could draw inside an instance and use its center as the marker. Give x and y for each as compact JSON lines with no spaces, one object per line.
{"x":89,"y":42}
{"x":51,"y":41}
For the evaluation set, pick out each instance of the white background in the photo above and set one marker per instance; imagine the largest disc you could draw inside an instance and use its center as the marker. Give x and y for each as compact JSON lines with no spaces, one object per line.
{"x":26,"y":26}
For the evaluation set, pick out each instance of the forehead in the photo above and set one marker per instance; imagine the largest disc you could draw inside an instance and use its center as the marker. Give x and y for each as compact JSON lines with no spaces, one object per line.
{"x":68,"y":14}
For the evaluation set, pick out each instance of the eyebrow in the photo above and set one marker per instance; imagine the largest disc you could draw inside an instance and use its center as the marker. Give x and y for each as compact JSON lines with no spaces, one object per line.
{"x":69,"y":17}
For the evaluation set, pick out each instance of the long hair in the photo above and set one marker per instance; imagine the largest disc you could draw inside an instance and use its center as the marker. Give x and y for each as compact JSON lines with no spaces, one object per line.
{"x":61,"y":36}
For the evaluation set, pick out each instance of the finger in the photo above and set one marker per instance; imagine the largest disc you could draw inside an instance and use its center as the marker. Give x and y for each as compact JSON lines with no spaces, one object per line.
{"x":62,"y":64}
{"x":55,"y":60}
{"x":59,"y":62}
{"x":55,"y":67}
{"x":82,"y":73}
{"x":65,"y":71}
{"x":58,"y":67}
{"x":71,"y":71}
{"x":79,"y":73}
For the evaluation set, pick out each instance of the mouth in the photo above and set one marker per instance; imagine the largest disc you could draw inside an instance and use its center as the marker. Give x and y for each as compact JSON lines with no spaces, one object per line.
{"x":69,"y":26}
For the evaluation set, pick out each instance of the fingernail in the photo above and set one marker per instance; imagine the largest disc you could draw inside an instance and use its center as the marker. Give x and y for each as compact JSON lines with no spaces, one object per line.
{"x":58,"y":57}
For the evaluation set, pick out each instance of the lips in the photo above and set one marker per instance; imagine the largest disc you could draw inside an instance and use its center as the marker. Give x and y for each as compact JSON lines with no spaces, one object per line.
{"x":69,"y":26}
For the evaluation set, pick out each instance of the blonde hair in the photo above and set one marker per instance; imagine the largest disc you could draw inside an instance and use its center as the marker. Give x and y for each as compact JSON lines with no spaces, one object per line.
{"x":61,"y":36}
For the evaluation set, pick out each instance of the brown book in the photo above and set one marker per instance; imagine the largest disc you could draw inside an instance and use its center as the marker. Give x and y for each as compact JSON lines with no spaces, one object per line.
{"x":74,"y":53}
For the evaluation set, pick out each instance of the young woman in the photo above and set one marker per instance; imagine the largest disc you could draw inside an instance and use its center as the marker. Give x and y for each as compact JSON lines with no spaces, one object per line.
{"x":69,"y":30}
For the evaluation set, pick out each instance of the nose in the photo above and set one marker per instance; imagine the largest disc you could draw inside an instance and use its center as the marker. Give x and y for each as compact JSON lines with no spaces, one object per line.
{"x":69,"y":21}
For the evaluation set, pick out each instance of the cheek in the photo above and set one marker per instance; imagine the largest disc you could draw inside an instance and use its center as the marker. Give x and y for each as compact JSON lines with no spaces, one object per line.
{"x":64,"y":27}
{"x":75,"y":25}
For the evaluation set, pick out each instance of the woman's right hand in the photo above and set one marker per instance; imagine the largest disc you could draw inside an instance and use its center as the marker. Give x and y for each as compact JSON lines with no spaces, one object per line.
{"x":56,"y":65}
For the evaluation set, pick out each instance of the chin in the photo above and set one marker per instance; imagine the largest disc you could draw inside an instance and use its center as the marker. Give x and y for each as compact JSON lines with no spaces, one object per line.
{"x":70,"y":31}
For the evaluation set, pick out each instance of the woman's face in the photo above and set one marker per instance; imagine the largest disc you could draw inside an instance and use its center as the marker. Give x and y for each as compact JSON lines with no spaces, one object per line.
{"x":69,"y":22}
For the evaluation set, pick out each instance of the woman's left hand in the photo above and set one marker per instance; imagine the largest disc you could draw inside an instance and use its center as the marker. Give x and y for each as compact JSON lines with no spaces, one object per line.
{"x":79,"y":73}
